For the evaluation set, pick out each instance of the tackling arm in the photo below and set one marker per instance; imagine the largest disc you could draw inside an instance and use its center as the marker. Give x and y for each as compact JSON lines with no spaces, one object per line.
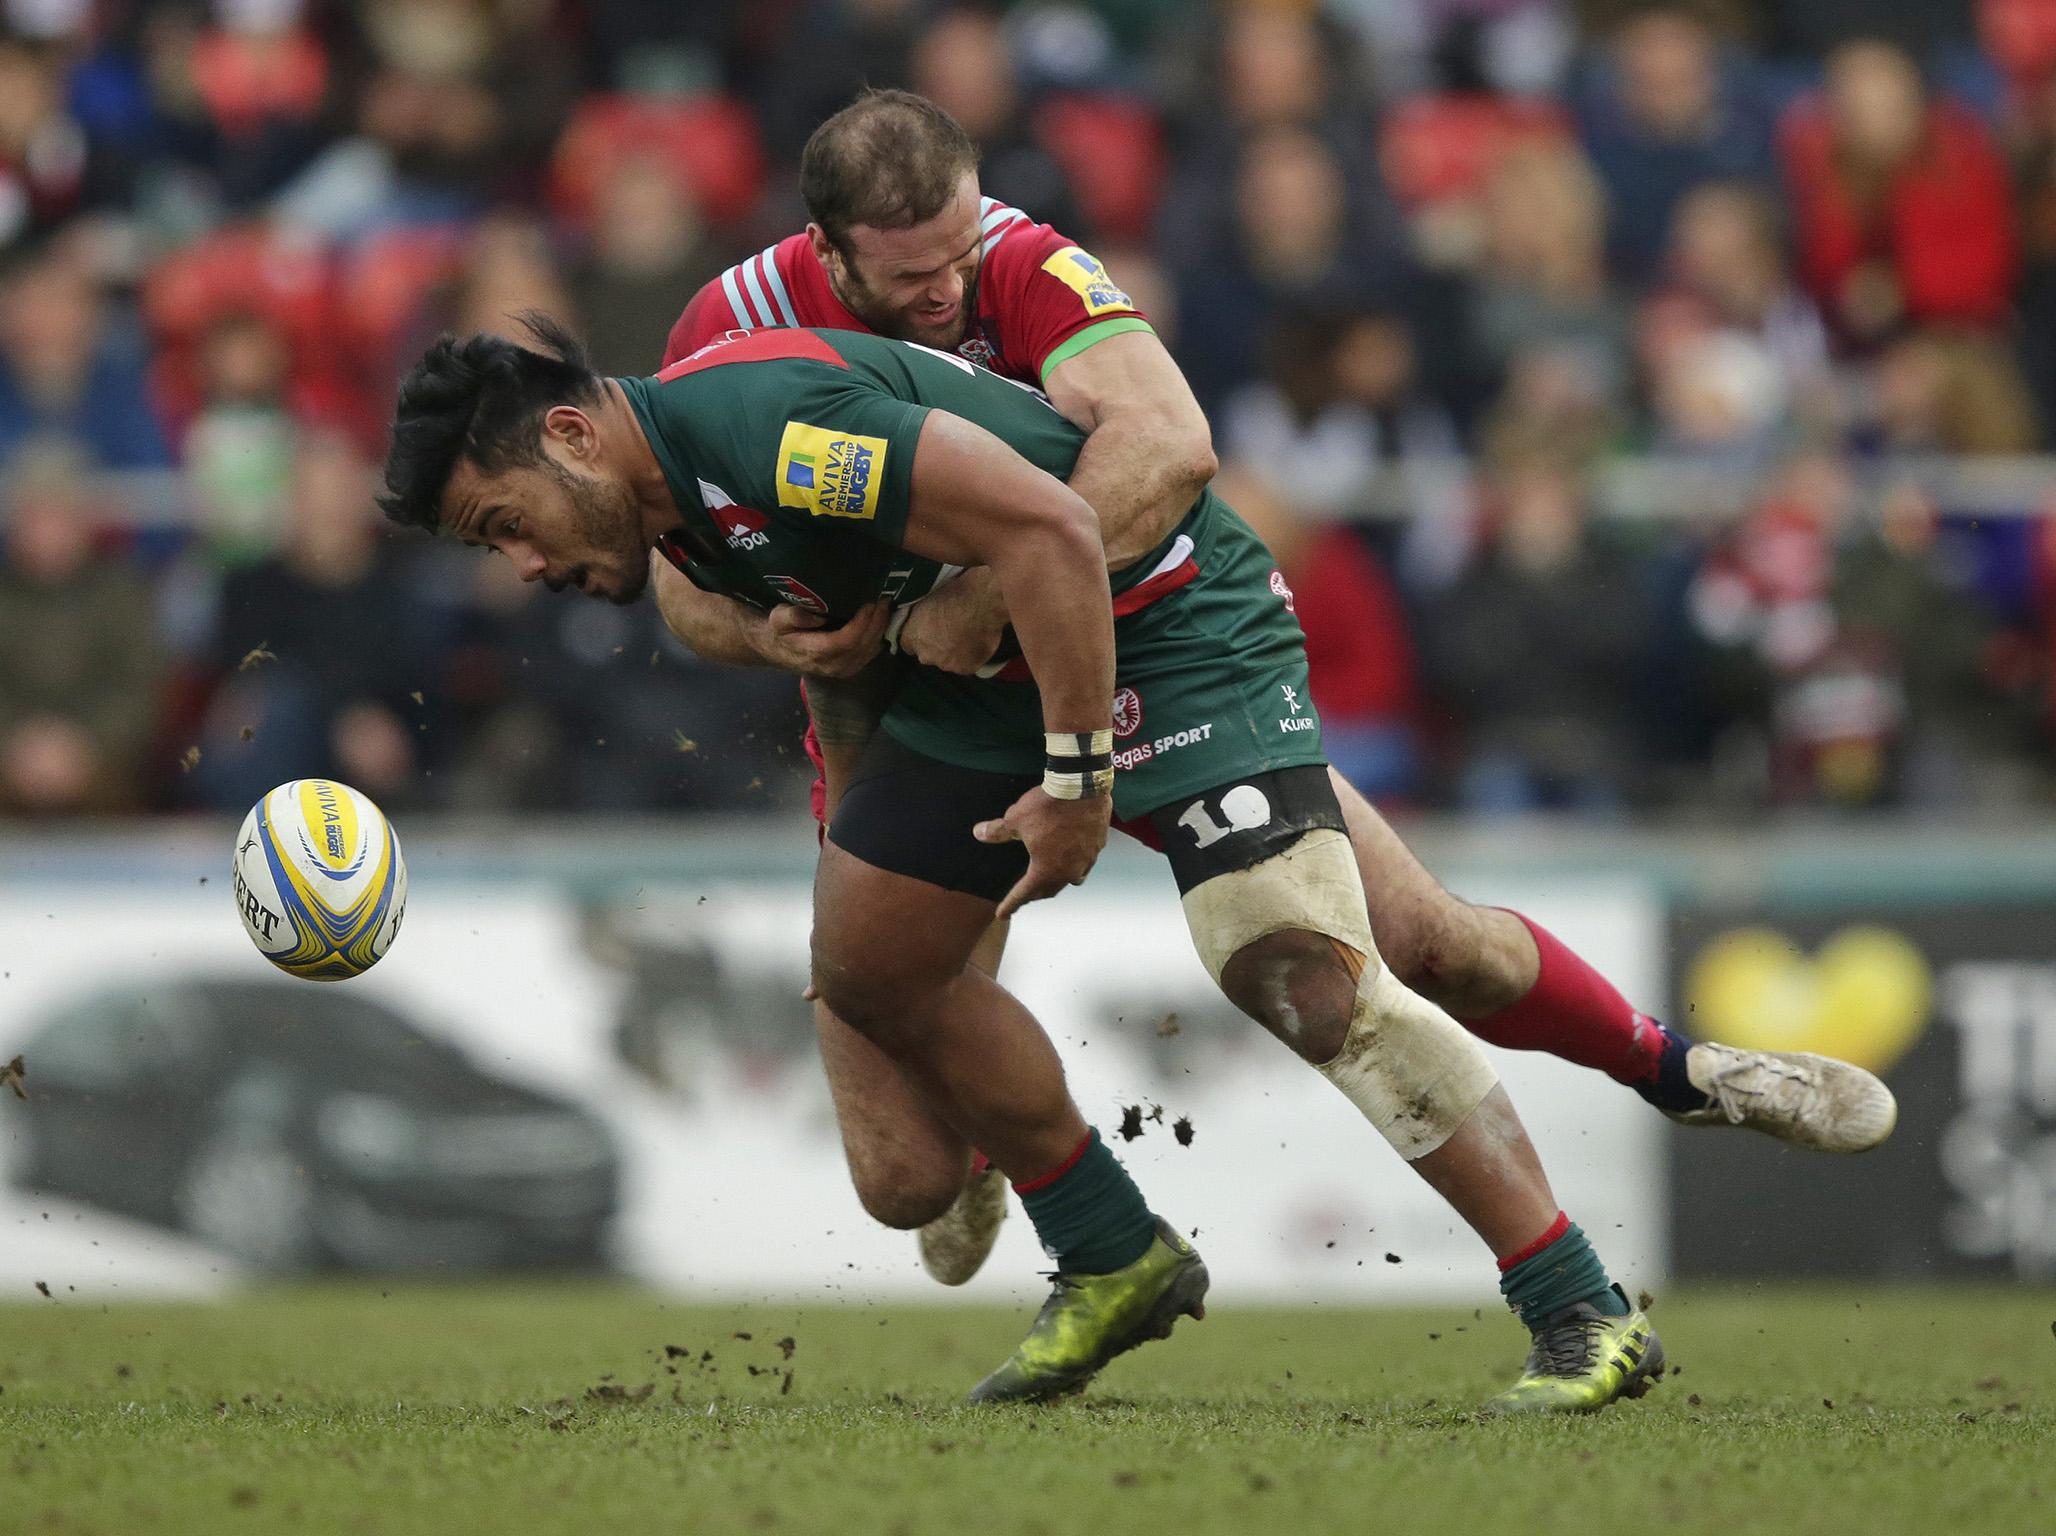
{"x":1147,"y":455}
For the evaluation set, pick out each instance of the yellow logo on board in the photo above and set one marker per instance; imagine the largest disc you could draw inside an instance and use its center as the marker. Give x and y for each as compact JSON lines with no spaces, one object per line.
{"x":830,"y":473}
{"x":1864,"y":996}
{"x":1084,"y":275}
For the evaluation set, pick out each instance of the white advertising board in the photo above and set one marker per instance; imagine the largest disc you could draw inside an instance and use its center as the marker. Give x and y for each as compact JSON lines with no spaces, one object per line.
{"x":734,"y":1181}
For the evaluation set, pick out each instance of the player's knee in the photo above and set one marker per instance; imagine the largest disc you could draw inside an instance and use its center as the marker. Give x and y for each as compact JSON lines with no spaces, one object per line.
{"x":904,"y":1194}
{"x":872,"y":1012}
{"x":1298,"y":986}
{"x":870,"y":1004}
{"x":1440,"y":953}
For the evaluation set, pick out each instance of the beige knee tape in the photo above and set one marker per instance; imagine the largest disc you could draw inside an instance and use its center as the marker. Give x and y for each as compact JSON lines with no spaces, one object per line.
{"x":1312,"y":885}
{"x":1413,"y":1071}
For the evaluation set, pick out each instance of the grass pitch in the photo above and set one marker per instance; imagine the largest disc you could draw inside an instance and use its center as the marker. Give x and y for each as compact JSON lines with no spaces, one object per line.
{"x":456,"y":1410}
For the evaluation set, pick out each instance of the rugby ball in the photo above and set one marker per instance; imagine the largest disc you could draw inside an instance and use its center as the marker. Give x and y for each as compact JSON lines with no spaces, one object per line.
{"x":319,"y":881}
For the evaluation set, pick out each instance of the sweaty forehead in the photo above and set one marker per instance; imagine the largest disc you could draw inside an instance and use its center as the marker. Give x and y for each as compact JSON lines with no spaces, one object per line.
{"x":932,"y":243}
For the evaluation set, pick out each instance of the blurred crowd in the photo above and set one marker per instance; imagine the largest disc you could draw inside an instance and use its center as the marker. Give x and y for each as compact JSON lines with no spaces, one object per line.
{"x":1641,"y":399}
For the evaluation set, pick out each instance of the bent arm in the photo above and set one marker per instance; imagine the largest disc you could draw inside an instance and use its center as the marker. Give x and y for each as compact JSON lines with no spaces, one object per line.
{"x":1147,"y":456}
{"x":716,"y":628}
{"x":977,"y":502}
{"x":721,"y":629}
{"x":1148,"y":452}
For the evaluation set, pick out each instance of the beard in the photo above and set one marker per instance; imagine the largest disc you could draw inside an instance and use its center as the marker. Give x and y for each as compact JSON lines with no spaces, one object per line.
{"x":901,"y":326}
{"x":604,"y":516}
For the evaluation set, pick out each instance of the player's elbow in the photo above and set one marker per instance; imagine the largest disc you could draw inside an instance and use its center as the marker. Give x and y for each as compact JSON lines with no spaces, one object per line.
{"x":1194,"y":457}
{"x":674,"y":594}
{"x":1057,"y":539}
{"x":1068,"y":532}
{"x":695,"y":618}
{"x":1181,"y":442}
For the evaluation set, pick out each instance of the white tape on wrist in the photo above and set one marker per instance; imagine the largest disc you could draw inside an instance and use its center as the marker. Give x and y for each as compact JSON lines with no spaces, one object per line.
{"x":1096,"y":785}
{"x":1078,"y":765}
{"x":1078,"y":743}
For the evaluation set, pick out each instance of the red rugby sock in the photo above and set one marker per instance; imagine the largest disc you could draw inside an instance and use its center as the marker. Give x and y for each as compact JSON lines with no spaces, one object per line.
{"x":1574,"y":1012}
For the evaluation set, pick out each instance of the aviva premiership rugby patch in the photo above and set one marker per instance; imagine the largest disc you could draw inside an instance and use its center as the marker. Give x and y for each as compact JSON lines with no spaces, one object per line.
{"x":829,"y":473}
{"x":1088,"y":279}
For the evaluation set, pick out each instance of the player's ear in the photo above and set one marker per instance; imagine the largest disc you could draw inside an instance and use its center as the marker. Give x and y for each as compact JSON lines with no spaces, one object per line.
{"x":824,"y":248}
{"x":572,"y":429}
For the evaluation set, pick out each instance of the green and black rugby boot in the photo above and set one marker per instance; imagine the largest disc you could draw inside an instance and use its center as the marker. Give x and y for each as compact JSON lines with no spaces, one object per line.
{"x":1089,"y":1319}
{"x":1582,"y":1360}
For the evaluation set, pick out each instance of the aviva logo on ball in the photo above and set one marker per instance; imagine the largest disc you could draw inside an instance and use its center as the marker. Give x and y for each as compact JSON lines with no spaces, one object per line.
{"x":319,"y":880}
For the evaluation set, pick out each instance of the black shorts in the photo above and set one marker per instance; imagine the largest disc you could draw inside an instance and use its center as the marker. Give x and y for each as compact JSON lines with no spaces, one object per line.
{"x":908,"y":814}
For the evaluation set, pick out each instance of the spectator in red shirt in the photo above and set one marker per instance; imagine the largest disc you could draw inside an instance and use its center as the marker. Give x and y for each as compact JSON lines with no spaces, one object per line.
{"x":1901,"y":202}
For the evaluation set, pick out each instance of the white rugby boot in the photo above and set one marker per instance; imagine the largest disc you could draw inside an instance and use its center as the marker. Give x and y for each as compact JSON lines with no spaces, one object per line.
{"x":954,"y":1246}
{"x":1810,"y":1101}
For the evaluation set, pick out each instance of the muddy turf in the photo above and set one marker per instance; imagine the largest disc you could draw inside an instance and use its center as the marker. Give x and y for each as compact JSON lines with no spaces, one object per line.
{"x":602,"y":1409}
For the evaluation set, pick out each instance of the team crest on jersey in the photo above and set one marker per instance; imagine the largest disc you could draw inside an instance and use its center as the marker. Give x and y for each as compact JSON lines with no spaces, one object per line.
{"x":978,"y":350}
{"x":1083,"y":275}
{"x":1281,"y":590}
{"x":743,"y":527}
{"x":797,"y":592}
{"x":1127,"y":712}
{"x":830,"y":473}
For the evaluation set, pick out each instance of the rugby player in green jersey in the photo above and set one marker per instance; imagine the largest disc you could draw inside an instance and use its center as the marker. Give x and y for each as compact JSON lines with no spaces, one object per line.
{"x":841,"y":473}
{"x":900,"y":242}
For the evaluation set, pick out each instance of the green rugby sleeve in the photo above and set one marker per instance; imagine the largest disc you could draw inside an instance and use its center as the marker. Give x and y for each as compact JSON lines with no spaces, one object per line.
{"x":811,"y":443}
{"x":839,"y":453}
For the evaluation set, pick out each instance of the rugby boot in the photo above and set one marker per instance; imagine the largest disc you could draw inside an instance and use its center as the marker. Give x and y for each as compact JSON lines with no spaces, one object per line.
{"x":1810,"y":1101}
{"x":955,"y":1245}
{"x":1089,"y":1319}
{"x":1581,"y":1360}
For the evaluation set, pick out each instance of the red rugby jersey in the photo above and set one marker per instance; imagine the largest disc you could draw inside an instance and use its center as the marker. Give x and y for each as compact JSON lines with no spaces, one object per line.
{"x":1041,"y":299}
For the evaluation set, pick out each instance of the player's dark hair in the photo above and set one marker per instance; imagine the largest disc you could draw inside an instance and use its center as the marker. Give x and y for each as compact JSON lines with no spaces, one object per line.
{"x":890,"y":159}
{"x":480,"y":399}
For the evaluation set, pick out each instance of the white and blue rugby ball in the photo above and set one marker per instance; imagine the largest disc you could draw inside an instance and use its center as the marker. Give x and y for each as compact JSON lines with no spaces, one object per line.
{"x":319,"y":880}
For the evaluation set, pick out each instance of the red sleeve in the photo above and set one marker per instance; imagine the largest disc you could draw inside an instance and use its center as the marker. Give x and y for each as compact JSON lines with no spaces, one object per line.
{"x":707,"y":318}
{"x":1949,"y":232}
{"x":1953,"y":238}
{"x":1043,"y":291}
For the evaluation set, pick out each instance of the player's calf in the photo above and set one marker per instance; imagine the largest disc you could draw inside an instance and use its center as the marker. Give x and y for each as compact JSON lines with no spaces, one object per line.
{"x":904,"y":1161}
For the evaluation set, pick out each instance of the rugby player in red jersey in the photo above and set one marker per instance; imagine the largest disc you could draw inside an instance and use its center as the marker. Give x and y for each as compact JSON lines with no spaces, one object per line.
{"x":901,"y":243}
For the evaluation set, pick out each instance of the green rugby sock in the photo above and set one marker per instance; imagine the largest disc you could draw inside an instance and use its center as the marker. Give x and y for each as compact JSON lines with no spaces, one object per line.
{"x":1556,"y":1272}
{"x":1089,"y":1214}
